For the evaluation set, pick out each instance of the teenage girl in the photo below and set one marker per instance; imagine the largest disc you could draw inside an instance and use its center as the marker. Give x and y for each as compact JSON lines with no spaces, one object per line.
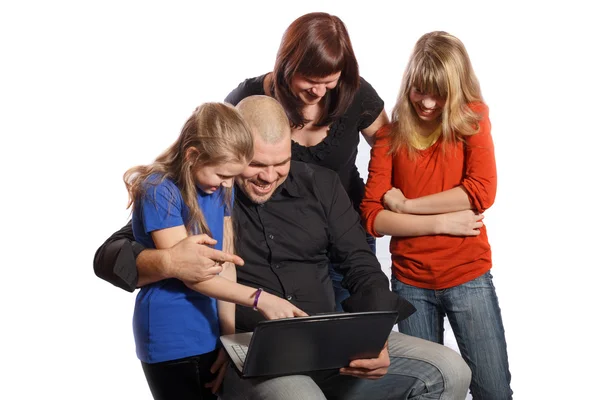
{"x":432,"y":174}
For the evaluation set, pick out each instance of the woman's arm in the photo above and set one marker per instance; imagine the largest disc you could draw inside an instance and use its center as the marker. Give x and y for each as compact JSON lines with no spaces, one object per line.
{"x":369,"y":132}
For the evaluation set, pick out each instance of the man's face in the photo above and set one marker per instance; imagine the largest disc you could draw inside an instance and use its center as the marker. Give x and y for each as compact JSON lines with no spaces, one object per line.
{"x":268,"y":169}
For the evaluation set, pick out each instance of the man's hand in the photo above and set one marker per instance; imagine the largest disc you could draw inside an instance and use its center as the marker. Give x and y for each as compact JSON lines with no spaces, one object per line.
{"x":461,"y":223}
{"x":373,"y":368}
{"x":219,"y":367}
{"x":191,"y":260}
{"x":394,"y":200}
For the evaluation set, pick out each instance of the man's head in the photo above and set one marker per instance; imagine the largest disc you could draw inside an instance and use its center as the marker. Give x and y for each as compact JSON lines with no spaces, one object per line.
{"x":272,"y":147}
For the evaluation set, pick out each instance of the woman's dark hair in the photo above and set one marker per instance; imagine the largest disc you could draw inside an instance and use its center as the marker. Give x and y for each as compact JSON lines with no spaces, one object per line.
{"x":316,"y":45}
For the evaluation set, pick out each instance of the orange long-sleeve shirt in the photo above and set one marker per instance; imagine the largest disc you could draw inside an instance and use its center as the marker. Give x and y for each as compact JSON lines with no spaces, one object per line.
{"x":435,"y":261}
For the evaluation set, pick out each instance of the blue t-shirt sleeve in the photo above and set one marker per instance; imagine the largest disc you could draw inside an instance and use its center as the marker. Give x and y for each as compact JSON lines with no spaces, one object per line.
{"x":161,"y":206}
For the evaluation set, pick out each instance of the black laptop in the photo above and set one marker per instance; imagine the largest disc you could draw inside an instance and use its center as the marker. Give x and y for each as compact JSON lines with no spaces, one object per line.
{"x":302,"y":344}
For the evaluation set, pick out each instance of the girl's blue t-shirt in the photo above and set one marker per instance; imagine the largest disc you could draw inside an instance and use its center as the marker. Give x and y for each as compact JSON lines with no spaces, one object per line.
{"x":171,"y":321}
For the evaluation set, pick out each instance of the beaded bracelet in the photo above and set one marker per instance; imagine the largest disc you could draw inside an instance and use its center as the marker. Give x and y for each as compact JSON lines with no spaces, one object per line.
{"x":256,"y":296}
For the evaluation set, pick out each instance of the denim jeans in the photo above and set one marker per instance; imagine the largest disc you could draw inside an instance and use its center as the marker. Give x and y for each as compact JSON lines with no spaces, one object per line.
{"x":474,"y":315}
{"x":342,"y":294}
{"x":418,"y":370}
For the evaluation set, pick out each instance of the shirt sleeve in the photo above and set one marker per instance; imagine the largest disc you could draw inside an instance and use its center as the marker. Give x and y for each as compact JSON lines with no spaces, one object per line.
{"x":379,"y":180}
{"x":370,"y":104}
{"x":480,"y":178}
{"x":114,"y":261}
{"x":161,"y":206}
{"x":247,"y":88}
{"x":363,"y":277}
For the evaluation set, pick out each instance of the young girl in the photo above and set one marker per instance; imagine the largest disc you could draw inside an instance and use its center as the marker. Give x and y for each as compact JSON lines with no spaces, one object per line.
{"x":188,"y":190}
{"x":431,"y":176}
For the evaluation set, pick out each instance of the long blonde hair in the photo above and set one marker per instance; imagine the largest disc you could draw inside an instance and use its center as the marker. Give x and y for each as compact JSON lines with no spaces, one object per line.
{"x":440,"y":65}
{"x":215,"y":133}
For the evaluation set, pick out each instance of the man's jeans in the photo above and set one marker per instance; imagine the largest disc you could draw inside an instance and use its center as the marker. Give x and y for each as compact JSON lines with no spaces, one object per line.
{"x":419,"y":369}
{"x":342,"y":294}
{"x":474,"y":315}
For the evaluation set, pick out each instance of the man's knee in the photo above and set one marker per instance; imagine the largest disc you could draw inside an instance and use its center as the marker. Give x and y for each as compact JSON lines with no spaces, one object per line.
{"x":436,"y":366}
{"x":293,"y":387}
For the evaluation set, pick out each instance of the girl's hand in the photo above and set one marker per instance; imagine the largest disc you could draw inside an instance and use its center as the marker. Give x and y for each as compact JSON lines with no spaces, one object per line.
{"x":273,"y":307}
{"x":394,"y":200}
{"x":219,"y":367}
{"x":461,"y":223}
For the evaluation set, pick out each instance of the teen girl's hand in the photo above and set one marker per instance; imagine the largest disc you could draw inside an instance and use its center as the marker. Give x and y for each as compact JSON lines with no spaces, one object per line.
{"x":219,"y":367}
{"x":461,"y":223}
{"x":273,"y":307}
{"x":394,"y":200}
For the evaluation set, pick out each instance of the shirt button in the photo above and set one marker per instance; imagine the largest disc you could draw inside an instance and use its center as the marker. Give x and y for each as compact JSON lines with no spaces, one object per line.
{"x":277,"y":266}
{"x":271,"y":236}
{"x":261,"y":205}
{"x":289,"y":297}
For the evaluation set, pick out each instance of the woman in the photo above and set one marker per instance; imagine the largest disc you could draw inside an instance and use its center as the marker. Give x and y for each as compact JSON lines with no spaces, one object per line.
{"x":316,"y":80}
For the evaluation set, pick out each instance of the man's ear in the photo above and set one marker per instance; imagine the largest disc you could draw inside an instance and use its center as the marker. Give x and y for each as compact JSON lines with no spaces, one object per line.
{"x":191,"y":154}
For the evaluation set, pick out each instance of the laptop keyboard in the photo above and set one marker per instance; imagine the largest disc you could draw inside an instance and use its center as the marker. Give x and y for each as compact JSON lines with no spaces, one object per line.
{"x":240,"y":351}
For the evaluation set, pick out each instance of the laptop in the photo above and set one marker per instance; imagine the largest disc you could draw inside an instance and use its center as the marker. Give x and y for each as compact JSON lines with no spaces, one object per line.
{"x":302,"y":344}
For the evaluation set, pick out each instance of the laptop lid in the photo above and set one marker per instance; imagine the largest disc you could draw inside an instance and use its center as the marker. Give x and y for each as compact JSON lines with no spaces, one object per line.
{"x":302,"y":344}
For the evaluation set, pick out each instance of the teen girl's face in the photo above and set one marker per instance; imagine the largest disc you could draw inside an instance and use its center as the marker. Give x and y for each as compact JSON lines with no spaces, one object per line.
{"x":311,"y":90}
{"x":428,"y":107}
{"x":210,"y":177}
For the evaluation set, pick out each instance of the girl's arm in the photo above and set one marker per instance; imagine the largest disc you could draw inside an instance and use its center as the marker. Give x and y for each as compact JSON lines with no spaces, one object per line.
{"x":378,"y":221}
{"x":226,"y":309}
{"x":272,"y":307}
{"x":477,"y":190}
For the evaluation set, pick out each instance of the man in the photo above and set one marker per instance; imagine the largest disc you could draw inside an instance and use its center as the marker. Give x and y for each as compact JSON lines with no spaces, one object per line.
{"x":291,"y":220}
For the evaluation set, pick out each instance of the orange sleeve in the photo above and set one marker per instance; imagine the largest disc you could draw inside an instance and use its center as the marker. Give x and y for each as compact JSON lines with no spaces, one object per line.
{"x":480,"y":179}
{"x":379,"y":181}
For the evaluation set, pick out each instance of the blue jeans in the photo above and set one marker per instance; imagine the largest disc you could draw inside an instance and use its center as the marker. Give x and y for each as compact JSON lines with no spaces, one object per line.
{"x":342,"y":294}
{"x":418,"y":370}
{"x":474,"y":315}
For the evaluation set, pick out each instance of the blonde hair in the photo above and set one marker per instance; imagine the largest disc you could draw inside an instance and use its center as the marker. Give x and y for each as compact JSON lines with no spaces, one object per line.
{"x":439,"y":65}
{"x":214,"y":134}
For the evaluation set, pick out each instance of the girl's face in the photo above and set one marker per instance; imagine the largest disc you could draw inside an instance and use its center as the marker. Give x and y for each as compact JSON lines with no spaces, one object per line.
{"x":311,"y":90}
{"x":210,"y":177}
{"x":428,"y":107}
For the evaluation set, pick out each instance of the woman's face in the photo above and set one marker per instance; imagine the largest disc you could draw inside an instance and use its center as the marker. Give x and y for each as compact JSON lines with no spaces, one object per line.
{"x":428,"y":106}
{"x":311,"y":90}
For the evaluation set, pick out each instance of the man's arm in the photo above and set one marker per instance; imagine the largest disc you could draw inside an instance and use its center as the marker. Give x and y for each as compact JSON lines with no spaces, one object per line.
{"x":368,"y":286}
{"x":127,"y":264}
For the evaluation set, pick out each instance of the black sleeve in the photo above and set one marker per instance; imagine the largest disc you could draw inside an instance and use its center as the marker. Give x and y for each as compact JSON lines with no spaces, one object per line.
{"x":368,"y":286}
{"x":114,"y":261}
{"x":369,"y":104}
{"x":249,"y":87}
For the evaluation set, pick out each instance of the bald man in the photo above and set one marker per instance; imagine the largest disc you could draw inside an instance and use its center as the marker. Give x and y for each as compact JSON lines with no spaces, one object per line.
{"x":291,"y":220}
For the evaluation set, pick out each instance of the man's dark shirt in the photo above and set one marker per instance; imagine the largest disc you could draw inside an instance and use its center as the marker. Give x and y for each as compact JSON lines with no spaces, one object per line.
{"x":287,"y":244}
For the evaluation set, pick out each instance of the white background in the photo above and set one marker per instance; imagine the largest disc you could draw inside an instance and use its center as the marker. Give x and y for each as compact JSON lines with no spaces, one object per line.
{"x":89,"y":89}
